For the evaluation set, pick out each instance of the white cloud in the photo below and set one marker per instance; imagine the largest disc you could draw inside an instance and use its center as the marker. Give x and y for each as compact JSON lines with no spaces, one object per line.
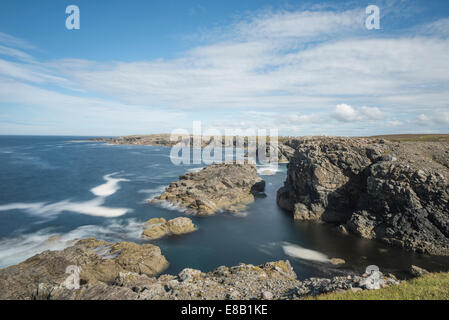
{"x":371,"y":113}
{"x":301,"y":24}
{"x":346,"y":113}
{"x":438,"y":27}
{"x":423,"y":117}
{"x":15,"y":53}
{"x":437,"y":117}
{"x":260,"y":74}
{"x":12,"y":41}
{"x":395,"y":123}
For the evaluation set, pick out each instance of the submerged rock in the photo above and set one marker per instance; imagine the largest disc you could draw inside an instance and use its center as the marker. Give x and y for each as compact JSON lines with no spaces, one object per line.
{"x":159,"y":227}
{"x":227,"y":186}
{"x":417,"y":271}
{"x":394,"y":192}
{"x":337,"y":261}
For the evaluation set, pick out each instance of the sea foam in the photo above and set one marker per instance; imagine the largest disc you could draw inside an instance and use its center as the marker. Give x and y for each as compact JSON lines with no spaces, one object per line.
{"x":296,"y":251}
{"x":92,"y":207}
{"x":109,"y":188}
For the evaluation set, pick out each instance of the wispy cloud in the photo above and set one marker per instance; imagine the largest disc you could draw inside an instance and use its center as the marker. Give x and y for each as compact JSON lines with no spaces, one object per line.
{"x":286,"y":68}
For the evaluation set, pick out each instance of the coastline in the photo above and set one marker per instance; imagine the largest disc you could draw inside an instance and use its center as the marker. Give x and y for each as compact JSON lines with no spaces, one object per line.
{"x":342,"y":285}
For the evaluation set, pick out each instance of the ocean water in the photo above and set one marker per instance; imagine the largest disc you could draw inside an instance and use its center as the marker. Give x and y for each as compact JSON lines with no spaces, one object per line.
{"x":60,"y":186}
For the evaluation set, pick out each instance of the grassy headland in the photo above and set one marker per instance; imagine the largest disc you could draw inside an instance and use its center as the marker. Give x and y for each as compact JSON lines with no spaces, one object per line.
{"x":434,"y":286}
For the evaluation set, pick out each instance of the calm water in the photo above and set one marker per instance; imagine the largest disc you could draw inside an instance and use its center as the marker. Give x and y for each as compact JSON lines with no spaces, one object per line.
{"x":55,"y":186}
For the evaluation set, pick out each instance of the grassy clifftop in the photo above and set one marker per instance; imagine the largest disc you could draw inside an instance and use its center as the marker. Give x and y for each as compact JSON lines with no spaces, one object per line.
{"x":416,"y":137}
{"x":434,"y":286}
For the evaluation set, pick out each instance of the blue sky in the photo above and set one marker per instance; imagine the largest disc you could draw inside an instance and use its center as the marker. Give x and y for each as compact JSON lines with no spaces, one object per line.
{"x":304,"y":67}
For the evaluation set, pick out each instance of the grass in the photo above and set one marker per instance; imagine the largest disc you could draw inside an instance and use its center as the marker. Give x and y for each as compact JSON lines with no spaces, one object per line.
{"x":416,"y":137}
{"x":434,"y":286}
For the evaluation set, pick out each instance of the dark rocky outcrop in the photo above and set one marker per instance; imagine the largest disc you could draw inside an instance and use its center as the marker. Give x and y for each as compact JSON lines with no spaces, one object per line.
{"x":226,"y":186}
{"x":395,"y":192}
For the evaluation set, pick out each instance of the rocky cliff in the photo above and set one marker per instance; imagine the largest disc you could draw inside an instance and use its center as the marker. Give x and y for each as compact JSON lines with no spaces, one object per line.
{"x":100,"y":262}
{"x":126,"y":271}
{"x":226,"y":186}
{"x":395,"y":192}
{"x":284,"y":151}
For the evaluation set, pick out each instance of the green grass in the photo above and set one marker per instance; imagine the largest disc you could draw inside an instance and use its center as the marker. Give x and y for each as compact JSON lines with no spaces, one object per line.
{"x":416,"y":137}
{"x":434,"y":286}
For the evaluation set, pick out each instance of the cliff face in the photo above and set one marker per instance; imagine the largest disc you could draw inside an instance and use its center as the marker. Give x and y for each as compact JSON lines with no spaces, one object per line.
{"x":394,"y":192}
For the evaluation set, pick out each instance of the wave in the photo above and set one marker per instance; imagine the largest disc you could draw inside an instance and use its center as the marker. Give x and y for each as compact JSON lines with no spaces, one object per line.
{"x":92,"y":207}
{"x":152,"y":193}
{"x":109,"y":188}
{"x":170,"y":206}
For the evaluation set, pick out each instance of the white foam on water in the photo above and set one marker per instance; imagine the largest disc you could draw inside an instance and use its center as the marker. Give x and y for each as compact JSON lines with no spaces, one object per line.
{"x":170,"y":206}
{"x":296,"y":251}
{"x":152,"y":193}
{"x":195,"y":169}
{"x":92,"y":207}
{"x":109,"y":188}
{"x":159,"y":189}
{"x":18,"y":249}
{"x":268,"y":248}
{"x":268,"y":170}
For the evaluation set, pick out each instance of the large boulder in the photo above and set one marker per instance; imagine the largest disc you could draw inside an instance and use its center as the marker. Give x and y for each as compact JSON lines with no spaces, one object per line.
{"x":227,"y":186}
{"x":99,"y":262}
{"x":394,"y":192}
{"x":158,"y":227}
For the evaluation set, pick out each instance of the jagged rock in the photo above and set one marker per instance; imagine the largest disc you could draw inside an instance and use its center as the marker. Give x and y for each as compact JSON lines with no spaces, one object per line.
{"x":188,"y":274}
{"x":98,"y":260}
{"x":217,"y":187}
{"x":267,"y":295}
{"x":285,"y":152}
{"x":417,"y":271}
{"x":342,"y":229}
{"x":394,"y":192}
{"x":180,"y":225}
{"x":54,"y":238}
{"x":272,"y":280}
{"x":159,"y":227}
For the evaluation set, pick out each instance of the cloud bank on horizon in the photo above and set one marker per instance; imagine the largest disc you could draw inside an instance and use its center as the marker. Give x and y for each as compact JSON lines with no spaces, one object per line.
{"x":306,"y":70}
